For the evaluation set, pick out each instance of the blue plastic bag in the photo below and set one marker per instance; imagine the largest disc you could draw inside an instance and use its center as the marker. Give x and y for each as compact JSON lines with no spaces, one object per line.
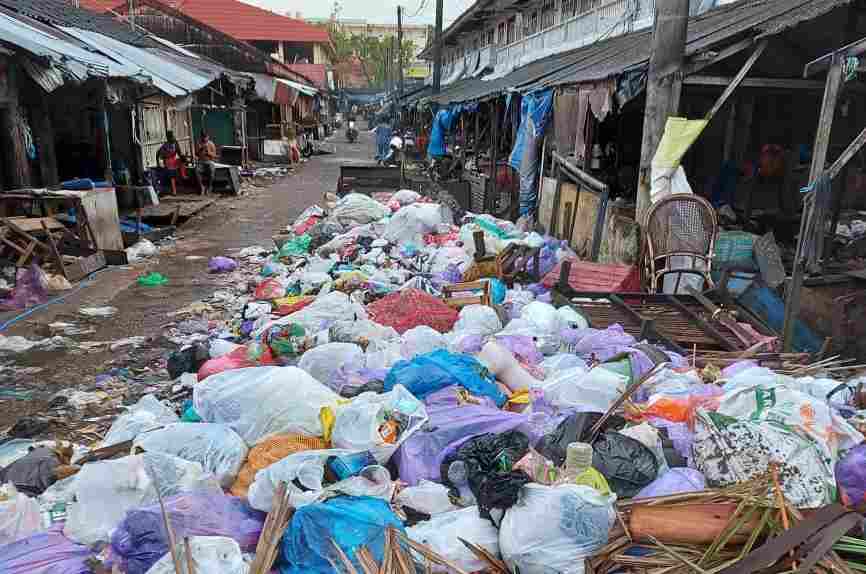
{"x":350,"y":521}
{"x":426,"y":374}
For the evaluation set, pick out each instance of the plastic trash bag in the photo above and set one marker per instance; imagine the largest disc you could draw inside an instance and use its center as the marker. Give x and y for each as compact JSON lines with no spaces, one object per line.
{"x":304,"y":472}
{"x":220,"y":347}
{"x":141,"y":249}
{"x":19,"y":515}
{"x":547,"y":343}
{"x":350,"y":522}
{"x":502,"y":364}
{"x":574,"y":428}
{"x":211,"y":554}
{"x":523,"y":348}
{"x":358,"y":425}
{"x":572,"y":319}
{"x":33,"y":473}
{"x":221,"y":264}
{"x":216,"y":447}
{"x":145,"y":415}
{"x":269,"y":451}
{"x":451,"y":424}
{"x":426,"y":374}
{"x":626,"y":463}
{"x":406,"y":197}
{"x":730,"y":451}
{"x":241,"y":358}
{"x":675,"y":481}
{"x":648,"y":436}
{"x":411,"y":223}
{"x":562,"y":362}
{"x":544,"y":316}
{"x":357,"y":209}
{"x":140,"y":539}
{"x":428,"y":498}
{"x":319,"y":315}
{"x":554,"y":528}
{"x":323,"y":362}
{"x":588,"y":391}
{"x":851,"y":477}
{"x":478,"y":319}
{"x":410,"y":308}
{"x":45,"y":553}
{"x":441,"y":535}
{"x":260,"y":401}
{"x":420,"y":341}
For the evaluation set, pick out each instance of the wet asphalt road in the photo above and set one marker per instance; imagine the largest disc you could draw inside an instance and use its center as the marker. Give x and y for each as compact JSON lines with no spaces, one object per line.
{"x":230,"y":224}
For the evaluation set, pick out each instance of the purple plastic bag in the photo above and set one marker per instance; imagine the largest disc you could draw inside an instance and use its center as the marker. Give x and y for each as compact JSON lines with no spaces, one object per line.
{"x":604,"y":344}
{"x":141,"y":540}
{"x":30,"y":289}
{"x":851,"y":476}
{"x":675,"y":481}
{"x":522,"y":347}
{"x":45,"y":553}
{"x":451,"y":424}
{"x":221,"y":264}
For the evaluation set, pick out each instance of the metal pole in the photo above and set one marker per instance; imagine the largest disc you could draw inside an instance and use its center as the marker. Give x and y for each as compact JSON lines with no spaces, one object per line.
{"x":437,"y":50}
{"x":400,"y":47}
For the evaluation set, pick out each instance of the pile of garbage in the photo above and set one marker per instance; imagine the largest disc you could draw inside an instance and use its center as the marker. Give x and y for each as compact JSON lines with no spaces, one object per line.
{"x":381,"y":396}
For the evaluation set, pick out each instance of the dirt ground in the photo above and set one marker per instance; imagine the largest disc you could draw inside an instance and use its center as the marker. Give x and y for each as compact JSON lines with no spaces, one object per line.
{"x":227,"y":226}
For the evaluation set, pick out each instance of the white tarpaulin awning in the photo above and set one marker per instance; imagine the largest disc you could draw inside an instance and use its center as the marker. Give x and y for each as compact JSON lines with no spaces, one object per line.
{"x":303,"y":88}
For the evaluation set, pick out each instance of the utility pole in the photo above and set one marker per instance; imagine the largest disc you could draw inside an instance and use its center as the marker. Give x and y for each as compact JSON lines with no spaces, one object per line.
{"x":437,"y":50}
{"x":663,"y":86}
{"x":400,"y":47}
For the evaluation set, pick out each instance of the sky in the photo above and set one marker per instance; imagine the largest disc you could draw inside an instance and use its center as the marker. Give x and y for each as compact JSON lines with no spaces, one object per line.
{"x":378,"y":11}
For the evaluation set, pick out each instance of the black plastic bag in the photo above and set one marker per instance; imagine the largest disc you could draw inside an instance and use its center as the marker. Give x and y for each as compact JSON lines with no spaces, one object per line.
{"x":489,"y":460}
{"x":188,"y":360}
{"x":33,"y":473}
{"x":626,"y":463}
{"x":575,"y":428}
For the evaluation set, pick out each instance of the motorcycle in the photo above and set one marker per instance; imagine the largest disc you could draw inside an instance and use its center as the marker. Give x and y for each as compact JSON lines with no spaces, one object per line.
{"x":395,"y":155}
{"x":351,"y":132}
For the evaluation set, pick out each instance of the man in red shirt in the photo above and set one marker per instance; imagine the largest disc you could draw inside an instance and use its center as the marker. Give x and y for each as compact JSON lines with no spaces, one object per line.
{"x":169,"y":155}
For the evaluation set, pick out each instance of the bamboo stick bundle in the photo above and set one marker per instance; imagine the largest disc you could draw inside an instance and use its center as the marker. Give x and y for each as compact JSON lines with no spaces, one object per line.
{"x":272,"y":532}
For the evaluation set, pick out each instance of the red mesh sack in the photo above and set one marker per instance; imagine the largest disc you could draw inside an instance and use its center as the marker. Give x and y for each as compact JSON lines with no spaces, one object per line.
{"x":410,"y":308}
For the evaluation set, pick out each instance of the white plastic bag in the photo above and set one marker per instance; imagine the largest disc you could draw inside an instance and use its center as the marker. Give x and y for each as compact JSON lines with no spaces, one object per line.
{"x":478,"y":320}
{"x":442,"y":533}
{"x":323,"y":362}
{"x":145,"y":415}
{"x":411,"y":223}
{"x":554,"y":528}
{"x":142,"y":249}
{"x":588,"y":391}
{"x":357,"y":425}
{"x":421,"y":340}
{"x":216,"y":447}
{"x":358,"y":209}
{"x":571,"y":318}
{"x":502,"y":364}
{"x":547,"y":343}
{"x":19,"y":515}
{"x":220,"y":347}
{"x":210,"y":554}
{"x":561,"y":362}
{"x":406,"y":197}
{"x":544,"y":316}
{"x":259,"y":401}
{"x":307,"y":469}
{"x":428,"y":497}
{"x":320,"y":314}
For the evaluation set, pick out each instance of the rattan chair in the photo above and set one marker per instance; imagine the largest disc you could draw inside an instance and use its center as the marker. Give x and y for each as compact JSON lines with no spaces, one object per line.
{"x":680,"y":225}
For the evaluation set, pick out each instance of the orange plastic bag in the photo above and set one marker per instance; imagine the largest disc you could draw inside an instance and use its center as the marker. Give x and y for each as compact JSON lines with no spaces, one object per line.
{"x":269,"y":451}
{"x":681,"y":409}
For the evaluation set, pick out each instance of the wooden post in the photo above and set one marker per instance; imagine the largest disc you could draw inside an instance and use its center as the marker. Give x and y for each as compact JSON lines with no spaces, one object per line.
{"x":664,"y":83}
{"x":494,"y":146}
{"x":400,"y":48}
{"x":437,"y":49}
{"x":819,"y":158}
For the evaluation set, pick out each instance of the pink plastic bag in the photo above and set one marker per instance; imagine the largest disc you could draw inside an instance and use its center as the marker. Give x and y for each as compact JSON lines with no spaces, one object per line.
{"x":237,"y":359}
{"x":270,"y":289}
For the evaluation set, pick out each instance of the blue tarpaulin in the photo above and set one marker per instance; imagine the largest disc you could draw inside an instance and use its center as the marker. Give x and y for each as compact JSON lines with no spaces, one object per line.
{"x":535,"y":113}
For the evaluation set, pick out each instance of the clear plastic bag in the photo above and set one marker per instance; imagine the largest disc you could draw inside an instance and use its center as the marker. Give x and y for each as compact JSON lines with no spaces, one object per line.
{"x":145,"y":415}
{"x":216,"y":447}
{"x":562,"y":362}
{"x":358,"y":209}
{"x":443,"y":532}
{"x":320,"y":314}
{"x":324,"y":361}
{"x":421,"y":340}
{"x":19,"y":515}
{"x":554,"y":528}
{"x":411,"y":223}
{"x":260,"y":401}
{"x":358,"y":425}
{"x":211,"y":554}
{"x":428,"y":497}
{"x":588,"y":391}
{"x":478,"y":319}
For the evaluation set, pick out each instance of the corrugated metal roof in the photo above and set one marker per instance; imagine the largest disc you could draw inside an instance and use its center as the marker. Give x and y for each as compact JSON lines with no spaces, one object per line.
{"x":613,"y":56}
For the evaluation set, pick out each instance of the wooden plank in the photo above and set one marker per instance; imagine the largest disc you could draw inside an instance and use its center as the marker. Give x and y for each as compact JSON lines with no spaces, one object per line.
{"x":546,"y":202}
{"x":735,"y":83}
{"x":825,"y":61}
{"x":100,"y":206}
{"x":38,"y":224}
{"x":567,"y":195}
{"x":852,"y":150}
{"x":706,"y":59}
{"x":585,"y":220}
{"x":772,"y":83}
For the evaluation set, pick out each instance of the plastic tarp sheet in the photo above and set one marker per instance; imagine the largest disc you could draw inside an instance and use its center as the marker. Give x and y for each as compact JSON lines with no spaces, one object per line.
{"x":535,"y":112}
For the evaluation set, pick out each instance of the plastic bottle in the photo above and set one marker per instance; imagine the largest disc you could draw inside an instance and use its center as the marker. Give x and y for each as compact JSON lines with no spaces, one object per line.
{"x":342,"y":467}
{"x":459,"y":477}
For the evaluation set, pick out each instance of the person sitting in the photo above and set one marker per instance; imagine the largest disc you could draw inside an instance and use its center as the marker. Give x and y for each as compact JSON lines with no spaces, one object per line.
{"x":171,"y":158}
{"x":205,"y":153}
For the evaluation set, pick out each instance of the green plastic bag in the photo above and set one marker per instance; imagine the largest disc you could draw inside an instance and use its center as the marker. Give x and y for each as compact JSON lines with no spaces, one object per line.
{"x":299,"y":245}
{"x":153,"y":279}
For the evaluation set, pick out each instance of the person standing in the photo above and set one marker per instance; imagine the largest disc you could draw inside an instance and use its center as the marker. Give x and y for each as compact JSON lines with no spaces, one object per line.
{"x":169,"y":155}
{"x":205,"y":153}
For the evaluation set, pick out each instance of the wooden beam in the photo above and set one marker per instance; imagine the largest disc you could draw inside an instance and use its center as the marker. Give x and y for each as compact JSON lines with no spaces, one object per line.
{"x":825,"y":61}
{"x":846,"y":156}
{"x":737,"y":79}
{"x":706,"y":59}
{"x":777,"y":83}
